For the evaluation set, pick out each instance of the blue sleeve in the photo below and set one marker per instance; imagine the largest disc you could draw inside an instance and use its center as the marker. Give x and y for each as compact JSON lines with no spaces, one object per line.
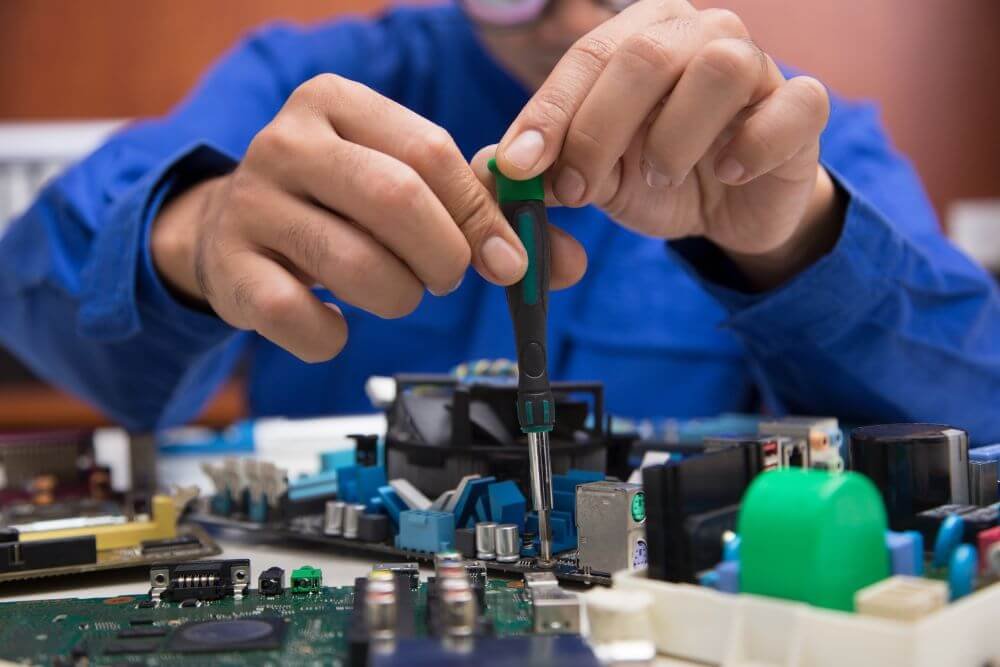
{"x":80,"y":301}
{"x":894,"y":324}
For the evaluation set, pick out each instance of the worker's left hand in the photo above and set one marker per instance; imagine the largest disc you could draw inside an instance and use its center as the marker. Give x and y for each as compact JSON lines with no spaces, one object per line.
{"x":676,"y":124}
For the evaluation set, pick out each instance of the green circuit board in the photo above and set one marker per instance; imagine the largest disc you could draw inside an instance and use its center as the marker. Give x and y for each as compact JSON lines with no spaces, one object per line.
{"x":314,"y":627}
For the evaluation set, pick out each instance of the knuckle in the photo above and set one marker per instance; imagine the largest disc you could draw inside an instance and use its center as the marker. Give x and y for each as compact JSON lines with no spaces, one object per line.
{"x":582,"y":146}
{"x":814,"y":97}
{"x":473,"y":210}
{"x":439,"y":146}
{"x":554,"y":107}
{"x":726,"y":20}
{"x":593,"y":51}
{"x":274,"y":304}
{"x":431,"y":150}
{"x":306,"y":243}
{"x":727,"y":60}
{"x":645,"y":50}
{"x":398,"y":188}
{"x":758,"y":143}
{"x":273,"y":140}
{"x":320,"y":87}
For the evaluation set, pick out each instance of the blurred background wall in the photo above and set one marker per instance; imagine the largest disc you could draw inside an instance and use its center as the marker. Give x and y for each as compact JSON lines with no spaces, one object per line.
{"x":933,"y":66}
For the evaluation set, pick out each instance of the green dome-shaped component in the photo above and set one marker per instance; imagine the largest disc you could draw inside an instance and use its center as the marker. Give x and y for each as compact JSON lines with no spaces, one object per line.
{"x":812,"y":536}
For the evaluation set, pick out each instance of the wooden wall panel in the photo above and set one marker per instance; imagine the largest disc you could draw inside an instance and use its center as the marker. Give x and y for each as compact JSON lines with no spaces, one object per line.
{"x":932,"y":64}
{"x":123,"y":58}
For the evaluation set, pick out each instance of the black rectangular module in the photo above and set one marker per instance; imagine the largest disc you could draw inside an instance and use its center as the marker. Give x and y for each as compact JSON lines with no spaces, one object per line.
{"x":704,"y":535}
{"x":677,"y":491}
{"x":41,"y":554}
{"x":929,"y":521}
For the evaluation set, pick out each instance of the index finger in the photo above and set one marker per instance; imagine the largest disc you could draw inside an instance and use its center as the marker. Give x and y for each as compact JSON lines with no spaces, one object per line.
{"x":534,"y":140}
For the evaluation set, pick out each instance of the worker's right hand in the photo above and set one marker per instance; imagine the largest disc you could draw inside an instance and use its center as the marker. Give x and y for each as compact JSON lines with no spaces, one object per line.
{"x":348,"y":190}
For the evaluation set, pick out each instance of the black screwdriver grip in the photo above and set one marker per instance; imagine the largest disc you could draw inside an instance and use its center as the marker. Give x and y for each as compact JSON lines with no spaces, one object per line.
{"x":528,"y":301}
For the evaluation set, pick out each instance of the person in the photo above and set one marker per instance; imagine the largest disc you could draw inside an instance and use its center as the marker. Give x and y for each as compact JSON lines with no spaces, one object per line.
{"x":737,"y":239}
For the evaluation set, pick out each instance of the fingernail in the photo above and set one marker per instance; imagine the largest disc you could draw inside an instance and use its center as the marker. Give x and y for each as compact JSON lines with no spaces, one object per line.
{"x":526,"y":149}
{"x":504,"y":262}
{"x":569,"y":186}
{"x":655,"y":179}
{"x":730,"y":171}
{"x":449,"y":290}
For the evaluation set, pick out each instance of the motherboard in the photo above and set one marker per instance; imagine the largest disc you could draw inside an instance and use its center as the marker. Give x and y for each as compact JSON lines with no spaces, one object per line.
{"x":206,"y":612}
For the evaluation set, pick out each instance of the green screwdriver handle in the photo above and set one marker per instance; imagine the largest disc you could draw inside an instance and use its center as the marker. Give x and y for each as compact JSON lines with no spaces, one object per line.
{"x":523,"y":204}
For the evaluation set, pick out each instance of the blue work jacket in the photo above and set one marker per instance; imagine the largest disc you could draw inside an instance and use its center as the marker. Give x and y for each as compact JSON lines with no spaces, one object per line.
{"x":894,"y":324}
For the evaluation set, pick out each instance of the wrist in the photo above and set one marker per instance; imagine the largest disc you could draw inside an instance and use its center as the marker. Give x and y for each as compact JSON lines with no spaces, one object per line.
{"x":814,"y":237}
{"x":174,"y":239}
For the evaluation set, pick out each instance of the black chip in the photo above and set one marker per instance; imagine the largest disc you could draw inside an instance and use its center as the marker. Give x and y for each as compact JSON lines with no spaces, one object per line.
{"x":118,"y":646}
{"x":190,"y":602}
{"x":133,"y":633}
{"x":146,"y":604}
{"x":170,"y":544}
{"x":141,"y":621}
{"x":238,"y":634}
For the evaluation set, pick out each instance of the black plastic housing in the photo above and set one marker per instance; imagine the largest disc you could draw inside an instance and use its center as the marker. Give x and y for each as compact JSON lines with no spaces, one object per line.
{"x":916,"y":467}
{"x":681,"y":498}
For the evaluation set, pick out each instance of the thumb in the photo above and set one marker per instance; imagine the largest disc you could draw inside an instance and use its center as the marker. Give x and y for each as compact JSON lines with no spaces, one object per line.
{"x":569,"y":259}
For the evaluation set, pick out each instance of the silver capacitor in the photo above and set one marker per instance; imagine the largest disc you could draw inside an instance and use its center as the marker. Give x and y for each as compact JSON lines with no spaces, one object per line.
{"x":486,"y":540}
{"x":380,"y":604}
{"x":508,"y":543}
{"x":449,"y":564}
{"x":458,"y":607}
{"x":352,"y":517}
{"x":333,"y":523}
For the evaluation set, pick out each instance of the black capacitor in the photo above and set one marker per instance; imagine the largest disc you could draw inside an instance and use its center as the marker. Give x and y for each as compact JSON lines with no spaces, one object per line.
{"x":373,"y":528}
{"x":916,"y":467}
{"x":465,"y":542}
{"x":678,"y":491}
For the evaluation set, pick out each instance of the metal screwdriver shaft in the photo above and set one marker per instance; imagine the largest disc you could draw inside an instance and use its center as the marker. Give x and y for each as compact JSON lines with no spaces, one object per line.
{"x":541,"y":489}
{"x":523,"y":204}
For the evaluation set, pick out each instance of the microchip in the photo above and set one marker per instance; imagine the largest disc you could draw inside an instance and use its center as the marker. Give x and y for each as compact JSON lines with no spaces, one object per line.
{"x":239,"y":634}
{"x":190,"y":602}
{"x":146,"y":604}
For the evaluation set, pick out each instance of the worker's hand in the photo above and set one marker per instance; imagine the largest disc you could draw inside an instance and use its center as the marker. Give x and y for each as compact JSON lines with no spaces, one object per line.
{"x":348,"y":190}
{"x":676,"y":124}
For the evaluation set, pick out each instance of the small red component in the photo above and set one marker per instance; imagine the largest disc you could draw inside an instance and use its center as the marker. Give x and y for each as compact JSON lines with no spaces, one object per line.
{"x":985,"y":539}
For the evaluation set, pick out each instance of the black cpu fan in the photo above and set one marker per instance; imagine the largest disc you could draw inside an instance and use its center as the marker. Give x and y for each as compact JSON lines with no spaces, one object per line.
{"x":441,"y":429}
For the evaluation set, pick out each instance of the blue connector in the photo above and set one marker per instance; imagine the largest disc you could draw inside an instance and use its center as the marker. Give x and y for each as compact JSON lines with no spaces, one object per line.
{"x":426,"y":530}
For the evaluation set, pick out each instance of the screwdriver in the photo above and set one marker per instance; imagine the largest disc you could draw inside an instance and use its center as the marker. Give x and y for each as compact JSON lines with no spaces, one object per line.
{"x":523,"y":204}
